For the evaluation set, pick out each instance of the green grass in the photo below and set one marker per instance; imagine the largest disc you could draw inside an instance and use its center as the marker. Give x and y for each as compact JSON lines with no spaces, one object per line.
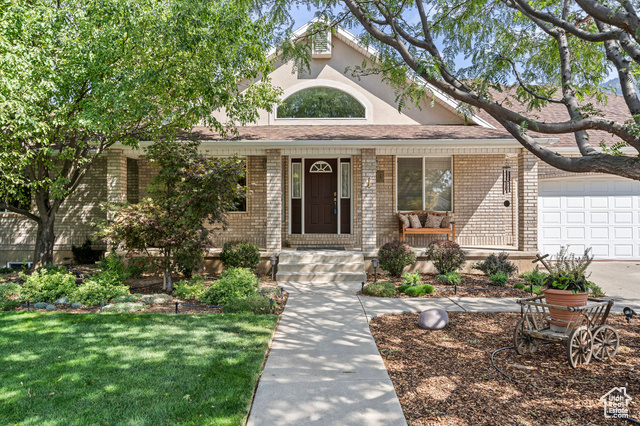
{"x":129,"y":369}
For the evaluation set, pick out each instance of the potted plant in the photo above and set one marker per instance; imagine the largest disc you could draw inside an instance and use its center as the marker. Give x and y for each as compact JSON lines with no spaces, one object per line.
{"x":567,"y":285}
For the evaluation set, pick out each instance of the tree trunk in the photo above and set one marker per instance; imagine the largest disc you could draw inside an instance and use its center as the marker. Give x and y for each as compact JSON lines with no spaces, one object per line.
{"x":45,"y":239}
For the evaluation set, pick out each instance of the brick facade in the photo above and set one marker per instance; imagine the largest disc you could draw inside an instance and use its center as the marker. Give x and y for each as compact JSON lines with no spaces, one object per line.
{"x":368,"y":204}
{"x":527,"y":201}
{"x":273,"y":205}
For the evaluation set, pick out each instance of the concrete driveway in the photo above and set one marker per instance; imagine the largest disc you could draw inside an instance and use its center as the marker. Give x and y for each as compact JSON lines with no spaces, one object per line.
{"x":619,"y":280}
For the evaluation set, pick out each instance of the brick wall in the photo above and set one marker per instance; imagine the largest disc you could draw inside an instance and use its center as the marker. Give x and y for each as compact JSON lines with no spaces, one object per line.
{"x":386,"y":216}
{"x":368,"y":204}
{"x":527,"y":201}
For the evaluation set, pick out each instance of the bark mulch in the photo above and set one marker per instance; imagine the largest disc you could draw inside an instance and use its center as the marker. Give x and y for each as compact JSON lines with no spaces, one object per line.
{"x":470,"y":286}
{"x":445,"y":377}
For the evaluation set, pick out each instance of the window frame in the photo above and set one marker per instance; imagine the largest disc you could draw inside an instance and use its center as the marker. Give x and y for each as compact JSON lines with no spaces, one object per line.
{"x":325,"y":86}
{"x":422,"y":180}
{"x":246,"y":179}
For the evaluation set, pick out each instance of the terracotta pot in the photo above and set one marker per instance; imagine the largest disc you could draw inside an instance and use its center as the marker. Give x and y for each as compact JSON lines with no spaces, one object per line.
{"x":567,"y":298}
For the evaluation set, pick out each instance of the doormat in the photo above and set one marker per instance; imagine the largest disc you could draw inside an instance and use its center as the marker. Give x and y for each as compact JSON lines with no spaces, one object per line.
{"x":319,"y":248}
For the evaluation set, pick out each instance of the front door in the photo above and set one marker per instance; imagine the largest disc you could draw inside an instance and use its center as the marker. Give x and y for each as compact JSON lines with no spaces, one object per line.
{"x":321,"y":196}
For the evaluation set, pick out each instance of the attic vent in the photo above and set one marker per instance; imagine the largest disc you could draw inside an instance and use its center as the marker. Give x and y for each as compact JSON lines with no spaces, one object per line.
{"x":321,"y":45}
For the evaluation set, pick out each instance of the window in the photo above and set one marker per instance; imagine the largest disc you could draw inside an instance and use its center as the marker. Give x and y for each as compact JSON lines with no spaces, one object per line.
{"x":296,"y":180}
{"x":320,"y":167}
{"x":321,"y":102}
{"x":345,"y":170}
{"x":425,"y":184}
{"x":241,"y":202}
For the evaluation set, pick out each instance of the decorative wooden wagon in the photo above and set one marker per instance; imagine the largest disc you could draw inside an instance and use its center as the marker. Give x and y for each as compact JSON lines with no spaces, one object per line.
{"x":585,"y":332}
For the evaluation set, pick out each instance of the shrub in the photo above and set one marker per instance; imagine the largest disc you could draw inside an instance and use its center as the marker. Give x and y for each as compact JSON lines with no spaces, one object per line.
{"x":395,"y":256}
{"x":535,"y":277}
{"x":104,"y":286}
{"x":500,"y":279}
{"x":451,"y":278}
{"x":136,"y":266}
{"x":9,"y":296}
{"x":411,"y":278}
{"x":446,"y":256}
{"x":150,"y":299}
{"x":52,"y":267}
{"x":126,"y":298}
{"x":192,"y":289}
{"x":380,"y":289}
{"x":114,"y":264}
{"x":496,"y":264}
{"x":254,"y":303}
{"x":404,"y":287}
{"x":85,"y":253}
{"x":519,"y":286}
{"x":536,"y":289}
{"x":7,"y":270}
{"x":234,"y":282}
{"x":48,"y":286}
{"x":125,"y":307}
{"x":419,"y":290}
{"x":240,"y":254}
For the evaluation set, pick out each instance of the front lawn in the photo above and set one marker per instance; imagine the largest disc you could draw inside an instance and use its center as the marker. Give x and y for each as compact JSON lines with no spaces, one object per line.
{"x":136,"y":369}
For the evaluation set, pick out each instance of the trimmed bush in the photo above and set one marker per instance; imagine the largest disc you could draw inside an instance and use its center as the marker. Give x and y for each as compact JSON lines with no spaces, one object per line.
{"x":451,"y":278}
{"x":519,"y":286}
{"x":85,"y":254}
{"x":192,"y":289}
{"x":500,"y":279}
{"x":240,"y":254}
{"x":535,"y":277}
{"x":404,"y":288}
{"x":496,"y":264}
{"x":104,"y":286}
{"x":380,"y":289}
{"x":47,"y":286}
{"x":254,"y":303}
{"x":9,"y":296}
{"x":419,"y":290}
{"x":411,"y":278}
{"x":233,"y":283}
{"x":395,"y":256}
{"x":446,"y":256}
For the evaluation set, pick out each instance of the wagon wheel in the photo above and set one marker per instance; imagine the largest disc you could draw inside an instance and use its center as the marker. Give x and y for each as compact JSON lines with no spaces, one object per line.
{"x":522,"y":340}
{"x":605,"y":342}
{"x":580,"y":346}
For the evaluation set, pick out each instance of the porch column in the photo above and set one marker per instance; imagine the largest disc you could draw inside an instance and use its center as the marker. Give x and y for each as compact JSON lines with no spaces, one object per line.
{"x":274,"y":200}
{"x":368,"y":204}
{"x":527,"y":201}
{"x":116,"y":177}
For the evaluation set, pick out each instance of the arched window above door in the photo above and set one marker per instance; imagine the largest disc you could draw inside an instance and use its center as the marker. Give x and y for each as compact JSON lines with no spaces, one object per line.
{"x":320,"y":167}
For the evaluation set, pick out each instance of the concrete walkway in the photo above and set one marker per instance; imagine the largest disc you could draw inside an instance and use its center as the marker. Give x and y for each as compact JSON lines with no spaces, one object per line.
{"x":324,"y":367}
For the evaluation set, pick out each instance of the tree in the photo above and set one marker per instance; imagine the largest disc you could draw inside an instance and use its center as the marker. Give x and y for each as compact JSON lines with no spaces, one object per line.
{"x":525,"y":56}
{"x":78,"y":77}
{"x":189,"y":191}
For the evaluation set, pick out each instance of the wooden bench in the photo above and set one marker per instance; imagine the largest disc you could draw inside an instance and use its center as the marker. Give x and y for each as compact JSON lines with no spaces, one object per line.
{"x":422,"y":215}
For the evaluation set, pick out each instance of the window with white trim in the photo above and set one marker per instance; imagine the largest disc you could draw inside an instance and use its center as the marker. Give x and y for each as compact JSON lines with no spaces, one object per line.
{"x":425,"y":183}
{"x":296,"y":180}
{"x":321,"y":102}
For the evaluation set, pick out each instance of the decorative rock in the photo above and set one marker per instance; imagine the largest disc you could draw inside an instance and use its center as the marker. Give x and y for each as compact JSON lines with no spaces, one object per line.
{"x":51,"y":307}
{"x":62,"y":301}
{"x":433,"y":319}
{"x":40,"y":305}
{"x":76,"y":305}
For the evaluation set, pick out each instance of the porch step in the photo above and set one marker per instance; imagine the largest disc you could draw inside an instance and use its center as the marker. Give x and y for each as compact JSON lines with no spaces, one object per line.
{"x":321,"y":267}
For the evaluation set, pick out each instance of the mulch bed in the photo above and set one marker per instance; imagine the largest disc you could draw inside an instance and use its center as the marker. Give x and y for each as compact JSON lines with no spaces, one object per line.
{"x":445,"y":377}
{"x":470,"y":286}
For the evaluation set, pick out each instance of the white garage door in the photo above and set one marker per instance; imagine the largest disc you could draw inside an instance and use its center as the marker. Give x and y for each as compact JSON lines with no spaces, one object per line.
{"x":598,"y":212}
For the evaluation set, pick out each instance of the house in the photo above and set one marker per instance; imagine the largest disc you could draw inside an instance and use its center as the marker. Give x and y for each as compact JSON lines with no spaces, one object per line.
{"x":336,"y":174}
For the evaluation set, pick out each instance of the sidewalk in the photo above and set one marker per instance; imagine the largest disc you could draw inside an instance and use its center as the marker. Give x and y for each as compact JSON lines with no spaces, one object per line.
{"x":324,"y":367}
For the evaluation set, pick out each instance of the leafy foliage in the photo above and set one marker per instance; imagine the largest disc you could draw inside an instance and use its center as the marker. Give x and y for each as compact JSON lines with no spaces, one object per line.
{"x":595,"y":290}
{"x":535,"y":277}
{"x":254,"y":303}
{"x":181,"y":204}
{"x":446,"y":256}
{"x":9,"y":296}
{"x":100,"y":287}
{"x":380,"y":289}
{"x":411,"y":278}
{"x":233,"y":283}
{"x":114,"y":264}
{"x":451,"y":278}
{"x":419,"y":290}
{"x":85,"y":254}
{"x":499,"y":264}
{"x":191,"y":289}
{"x":519,"y":286}
{"x":394,"y":256}
{"x":48,"y":286}
{"x":240,"y":254}
{"x":403,"y":288}
{"x":500,"y":279}
{"x":568,"y":271}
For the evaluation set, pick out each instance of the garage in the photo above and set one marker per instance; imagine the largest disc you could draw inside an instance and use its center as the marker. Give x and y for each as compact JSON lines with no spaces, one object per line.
{"x":598,"y":212}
